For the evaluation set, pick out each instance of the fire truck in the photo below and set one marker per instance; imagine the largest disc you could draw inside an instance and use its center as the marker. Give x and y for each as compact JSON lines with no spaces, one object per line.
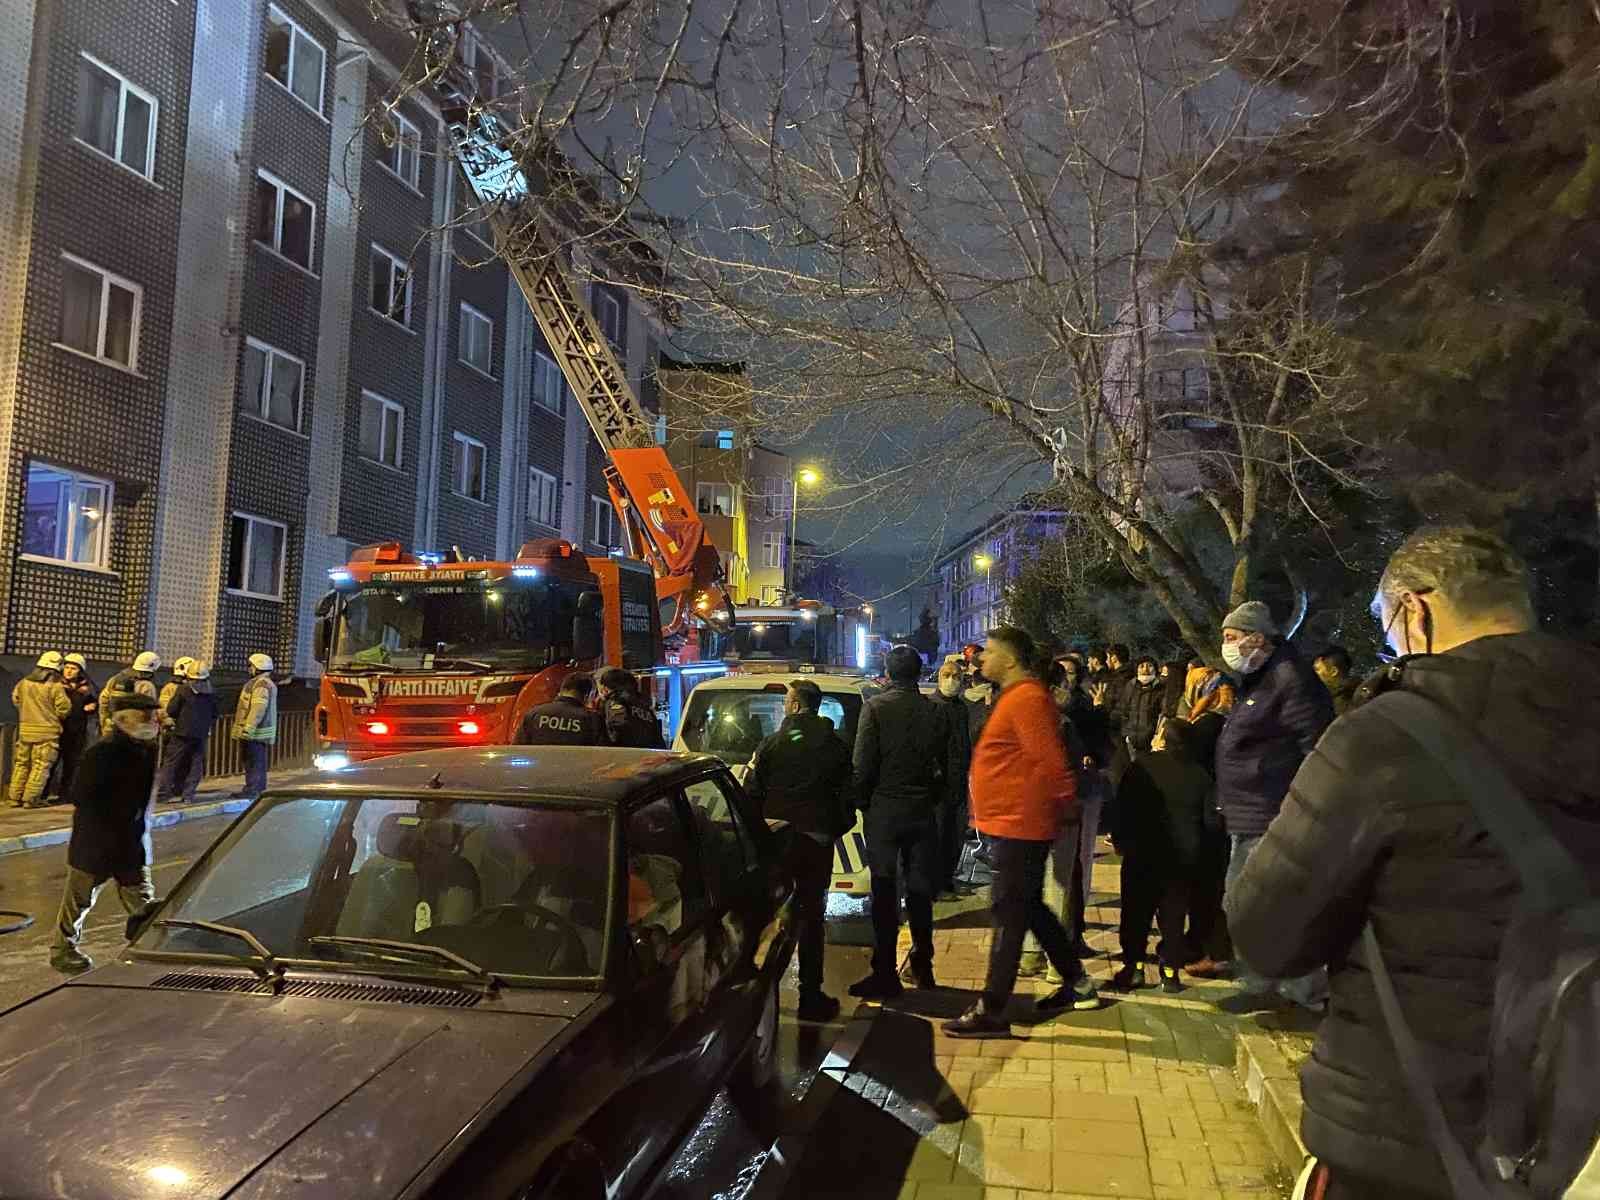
{"x":422,"y":651}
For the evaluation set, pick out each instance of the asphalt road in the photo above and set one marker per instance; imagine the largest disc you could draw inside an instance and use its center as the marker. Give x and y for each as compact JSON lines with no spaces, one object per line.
{"x":727,"y":1152}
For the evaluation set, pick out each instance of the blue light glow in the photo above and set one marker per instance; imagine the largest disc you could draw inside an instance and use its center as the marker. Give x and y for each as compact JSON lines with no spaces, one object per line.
{"x":525,"y":572}
{"x":861,"y":648}
{"x":339,"y":575}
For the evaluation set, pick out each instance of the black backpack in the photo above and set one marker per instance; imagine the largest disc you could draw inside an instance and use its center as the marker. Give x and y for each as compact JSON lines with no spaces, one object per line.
{"x":1542,"y":1112}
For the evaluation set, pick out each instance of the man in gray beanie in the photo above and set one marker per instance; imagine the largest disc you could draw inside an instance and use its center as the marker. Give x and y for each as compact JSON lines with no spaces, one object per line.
{"x":1280,"y":712}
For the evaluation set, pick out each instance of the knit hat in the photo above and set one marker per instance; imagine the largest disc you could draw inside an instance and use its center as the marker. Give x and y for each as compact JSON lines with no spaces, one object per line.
{"x":1253,"y":616}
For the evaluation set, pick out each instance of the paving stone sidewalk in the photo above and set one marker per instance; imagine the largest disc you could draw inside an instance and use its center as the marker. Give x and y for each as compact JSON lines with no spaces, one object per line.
{"x":1137,"y":1099}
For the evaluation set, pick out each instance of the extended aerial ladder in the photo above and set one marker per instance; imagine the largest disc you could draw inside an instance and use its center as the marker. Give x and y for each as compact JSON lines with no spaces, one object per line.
{"x":513,"y":190}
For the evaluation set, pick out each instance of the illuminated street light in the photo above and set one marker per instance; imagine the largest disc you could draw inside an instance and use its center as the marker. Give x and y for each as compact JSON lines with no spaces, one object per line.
{"x":809,"y":476}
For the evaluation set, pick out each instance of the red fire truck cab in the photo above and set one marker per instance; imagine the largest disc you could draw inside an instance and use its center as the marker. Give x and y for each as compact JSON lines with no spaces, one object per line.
{"x":422,"y":651}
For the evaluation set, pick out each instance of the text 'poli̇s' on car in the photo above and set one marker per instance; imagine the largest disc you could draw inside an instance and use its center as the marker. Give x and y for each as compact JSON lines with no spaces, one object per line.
{"x":505,"y":972}
{"x":731,"y":715}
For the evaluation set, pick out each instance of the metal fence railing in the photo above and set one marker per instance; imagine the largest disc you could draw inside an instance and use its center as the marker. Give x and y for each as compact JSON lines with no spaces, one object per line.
{"x":224,"y":756}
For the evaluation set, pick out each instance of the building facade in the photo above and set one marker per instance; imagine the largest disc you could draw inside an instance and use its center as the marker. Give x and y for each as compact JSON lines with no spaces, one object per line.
{"x":973,"y":573}
{"x":249,"y":325}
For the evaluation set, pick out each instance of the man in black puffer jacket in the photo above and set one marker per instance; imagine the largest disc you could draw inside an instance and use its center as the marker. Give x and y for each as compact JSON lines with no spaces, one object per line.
{"x":802,"y":775}
{"x":1373,"y":831}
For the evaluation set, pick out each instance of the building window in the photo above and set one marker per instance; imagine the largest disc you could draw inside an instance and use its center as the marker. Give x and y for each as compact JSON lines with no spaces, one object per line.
{"x":714,"y":499}
{"x":285,"y":220}
{"x":272,"y":382}
{"x":403,"y":154}
{"x":391,"y":286}
{"x":116,"y":118}
{"x":541,"y":497}
{"x":480,"y":64}
{"x":471,"y":215}
{"x":468,"y":477}
{"x":772,"y":550}
{"x":476,"y":347}
{"x":255,"y":557}
{"x":99,"y":312}
{"x":608,"y":315}
{"x":66,"y":516}
{"x":294,"y":59}
{"x":549,"y":388}
{"x":603,"y":530}
{"x":383,"y":425}
{"x":772,"y":496}
{"x":717,"y":439}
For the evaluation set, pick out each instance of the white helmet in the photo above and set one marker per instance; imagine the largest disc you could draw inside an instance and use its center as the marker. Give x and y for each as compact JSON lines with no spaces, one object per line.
{"x":260,"y":663}
{"x":50,"y":660}
{"x":181,"y":665}
{"x":77,"y":660}
{"x":148,"y":662}
{"x":198,"y":670}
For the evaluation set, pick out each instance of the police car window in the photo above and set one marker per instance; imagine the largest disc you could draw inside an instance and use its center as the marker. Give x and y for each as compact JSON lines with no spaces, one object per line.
{"x":731,"y":723}
{"x":726,"y":847}
{"x":663,"y":889}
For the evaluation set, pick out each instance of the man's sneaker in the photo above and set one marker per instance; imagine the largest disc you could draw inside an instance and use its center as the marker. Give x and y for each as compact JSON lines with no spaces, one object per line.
{"x":1080,"y":997}
{"x":1031,"y":963}
{"x":1128,"y":978}
{"x":1052,"y":977}
{"x":1170,"y":983}
{"x":877,"y":987}
{"x":818,"y":1007}
{"x":918,"y":975}
{"x":71,"y":962}
{"x":978,"y":1022}
{"x":1243,"y":1003}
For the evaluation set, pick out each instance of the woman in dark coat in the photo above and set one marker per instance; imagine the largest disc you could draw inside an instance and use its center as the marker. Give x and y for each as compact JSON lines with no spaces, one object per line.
{"x":1158,"y":829}
{"x":83,"y":693}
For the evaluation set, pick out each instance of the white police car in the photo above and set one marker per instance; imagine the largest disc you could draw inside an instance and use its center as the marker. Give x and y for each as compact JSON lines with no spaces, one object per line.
{"x":730,"y":715}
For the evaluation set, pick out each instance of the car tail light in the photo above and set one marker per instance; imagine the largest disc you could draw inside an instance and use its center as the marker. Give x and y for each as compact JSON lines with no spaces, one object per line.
{"x":468,"y":728}
{"x":378,"y":728}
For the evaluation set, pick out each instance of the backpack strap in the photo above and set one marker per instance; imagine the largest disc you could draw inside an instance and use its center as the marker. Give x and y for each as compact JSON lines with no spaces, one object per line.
{"x":1549,"y":876}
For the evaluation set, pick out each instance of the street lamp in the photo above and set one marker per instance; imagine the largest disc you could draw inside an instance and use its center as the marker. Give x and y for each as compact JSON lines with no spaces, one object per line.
{"x":809,"y":476}
{"x":985,"y":564}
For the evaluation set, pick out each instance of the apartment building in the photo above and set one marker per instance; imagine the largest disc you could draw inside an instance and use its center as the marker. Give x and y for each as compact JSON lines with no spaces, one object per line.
{"x":971,"y":576}
{"x":742,"y":489}
{"x":247,"y":326}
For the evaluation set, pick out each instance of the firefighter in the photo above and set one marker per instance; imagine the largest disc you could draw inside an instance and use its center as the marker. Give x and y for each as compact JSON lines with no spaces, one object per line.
{"x":75,"y":729}
{"x":190,"y":716}
{"x":255,"y":724}
{"x":140,"y":678}
{"x":42,"y":705}
{"x":164,"y":749}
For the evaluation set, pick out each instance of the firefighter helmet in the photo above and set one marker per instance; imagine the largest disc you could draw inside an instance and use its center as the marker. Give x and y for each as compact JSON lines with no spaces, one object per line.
{"x":149,"y":662}
{"x":50,"y":660}
{"x":260,"y":663}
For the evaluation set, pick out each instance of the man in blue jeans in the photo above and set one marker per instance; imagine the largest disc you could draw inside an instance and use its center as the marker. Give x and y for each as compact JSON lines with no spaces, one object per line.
{"x":1279,"y":713}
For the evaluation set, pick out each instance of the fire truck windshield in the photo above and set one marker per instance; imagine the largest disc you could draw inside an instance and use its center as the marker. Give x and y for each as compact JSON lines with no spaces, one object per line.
{"x":475,"y":624}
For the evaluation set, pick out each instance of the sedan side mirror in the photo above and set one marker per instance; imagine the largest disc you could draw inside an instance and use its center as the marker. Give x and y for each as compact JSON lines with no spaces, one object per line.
{"x":649,"y":947}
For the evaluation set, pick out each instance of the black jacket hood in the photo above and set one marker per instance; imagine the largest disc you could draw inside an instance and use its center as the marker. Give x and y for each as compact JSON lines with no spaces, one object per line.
{"x":1526,"y":695}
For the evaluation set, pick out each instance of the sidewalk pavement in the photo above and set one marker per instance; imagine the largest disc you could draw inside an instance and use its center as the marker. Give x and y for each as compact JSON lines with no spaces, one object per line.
{"x":32,"y":828}
{"x":1137,"y":1099}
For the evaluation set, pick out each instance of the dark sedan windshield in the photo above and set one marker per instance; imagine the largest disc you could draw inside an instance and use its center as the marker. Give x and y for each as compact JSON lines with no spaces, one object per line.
{"x":518,"y":889}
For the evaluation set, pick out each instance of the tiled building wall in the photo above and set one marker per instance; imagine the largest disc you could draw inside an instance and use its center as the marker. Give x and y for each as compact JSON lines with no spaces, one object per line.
{"x":68,"y":410}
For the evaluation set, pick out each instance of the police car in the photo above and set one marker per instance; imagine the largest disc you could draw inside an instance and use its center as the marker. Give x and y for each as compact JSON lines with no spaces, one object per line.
{"x":731,"y":715}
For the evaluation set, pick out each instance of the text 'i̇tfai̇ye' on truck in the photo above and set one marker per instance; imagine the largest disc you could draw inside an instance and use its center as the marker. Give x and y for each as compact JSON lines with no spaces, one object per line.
{"x":423,"y":651}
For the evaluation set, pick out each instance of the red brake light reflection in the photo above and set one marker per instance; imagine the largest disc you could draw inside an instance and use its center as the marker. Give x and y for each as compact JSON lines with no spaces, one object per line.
{"x":378,"y":728}
{"x":469,"y":728}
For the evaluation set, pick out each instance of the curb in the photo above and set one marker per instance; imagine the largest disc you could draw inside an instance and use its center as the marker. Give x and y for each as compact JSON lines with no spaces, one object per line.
{"x":1273,"y":1086}
{"x":162,"y":819}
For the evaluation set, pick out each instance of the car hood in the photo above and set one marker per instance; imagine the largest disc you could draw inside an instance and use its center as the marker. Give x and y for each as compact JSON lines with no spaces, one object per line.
{"x":124,"y":1093}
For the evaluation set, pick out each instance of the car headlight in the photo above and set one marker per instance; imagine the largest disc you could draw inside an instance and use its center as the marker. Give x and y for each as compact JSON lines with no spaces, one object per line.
{"x":332,"y":760}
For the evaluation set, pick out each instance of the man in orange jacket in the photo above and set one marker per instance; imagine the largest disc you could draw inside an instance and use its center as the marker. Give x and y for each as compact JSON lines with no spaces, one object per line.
{"x":1023,"y":794}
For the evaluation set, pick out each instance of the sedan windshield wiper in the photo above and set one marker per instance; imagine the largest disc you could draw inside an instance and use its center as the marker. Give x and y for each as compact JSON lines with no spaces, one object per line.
{"x":265,"y":963}
{"x":394,"y":949}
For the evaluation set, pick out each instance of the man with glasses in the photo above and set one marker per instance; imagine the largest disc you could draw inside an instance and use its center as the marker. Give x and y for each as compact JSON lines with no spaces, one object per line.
{"x":1278,"y":714}
{"x":1375,"y":829}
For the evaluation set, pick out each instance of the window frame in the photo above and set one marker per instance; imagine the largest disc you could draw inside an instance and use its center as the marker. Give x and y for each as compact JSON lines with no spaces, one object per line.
{"x":597,"y":505}
{"x":701,"y":489}
{"x":262,"y":405}
{"x":472,"y":46}
{"x":385,"y":406}
{"x":396,"y":263}
{"x":537,"y":480}
{"x":298,"y":30}
{"x":251,"y":520}
{"x":396,"y":149}
{"x":772,"y":551}
{"x":466,"y":311}
{"x":602,"y":294}
{"x":126,"y":85}
{"x":744,"y":833}
{"x":540,"y":358}
{"x":102,"y":561}
{"x":107,"y":279}
{"x":460,"y":443}
{"x":276,"y":245}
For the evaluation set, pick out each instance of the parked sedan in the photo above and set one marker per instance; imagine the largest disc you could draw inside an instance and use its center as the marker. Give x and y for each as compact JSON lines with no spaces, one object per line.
{"x":500,"y":972}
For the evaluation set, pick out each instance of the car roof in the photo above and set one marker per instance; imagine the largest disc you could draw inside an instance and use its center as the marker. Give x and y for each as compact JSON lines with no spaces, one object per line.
{"x":602,"y":774}
{"x":760,"y":682}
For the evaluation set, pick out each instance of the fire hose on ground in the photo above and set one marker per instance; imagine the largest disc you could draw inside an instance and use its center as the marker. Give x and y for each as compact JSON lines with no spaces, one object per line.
{"x":12,"y":921}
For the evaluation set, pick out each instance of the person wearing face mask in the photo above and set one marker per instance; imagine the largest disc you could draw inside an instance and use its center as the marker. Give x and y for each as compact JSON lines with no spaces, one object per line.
{"x":1139,"y":708}
{"x":953,"y":814}
{"x":1279,"y":712}
{"x":111,"y":802}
